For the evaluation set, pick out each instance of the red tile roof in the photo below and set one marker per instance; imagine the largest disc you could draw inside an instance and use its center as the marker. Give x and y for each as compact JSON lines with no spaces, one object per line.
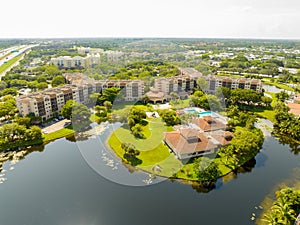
{"x":184,"y":145}
{"x":294,"y":108}
{"x":223,"y":137}
{"x":207,"y":123}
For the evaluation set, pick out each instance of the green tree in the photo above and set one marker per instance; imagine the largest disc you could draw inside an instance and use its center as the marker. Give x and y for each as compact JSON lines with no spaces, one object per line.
{"x":285,"y":208}
{"x":3,"y":85}
{"x":80,"y":116}
{"x":169,"y":117}
{"x":137,"y":131}
{"x":78,"y":113}
{"x":202,"y":84}
{"x":51,"y":70}
{"x":136,"y":116}
{"x":66,"y":110}
{"x":94,"y":98}
{"x":101,"y":111}
{"x":14,"y":135}
{"x":7,"y":109}
{"x":266,"y":101}
{"x":57,"y":81}
{"x":9,"y":91}
{"x":41,"y":78}
{"x":25,"y":121}
{"x":107,"y":105}
{"x":174,"y":95}
{"x":282,"y":96}
{"x":206,"y":170}
{"x":110,"y":94}
{"x":214,"y":103}
{"x":42,"y":85}
{"x":131,"y":153}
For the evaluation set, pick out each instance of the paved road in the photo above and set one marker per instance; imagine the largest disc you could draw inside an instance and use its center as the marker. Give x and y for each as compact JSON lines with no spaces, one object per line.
{"x":22,"y":49}
{"x":55,"y":127}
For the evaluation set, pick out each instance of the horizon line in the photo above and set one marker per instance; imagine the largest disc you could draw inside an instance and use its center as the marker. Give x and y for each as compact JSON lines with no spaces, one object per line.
{"x":171,"y":37}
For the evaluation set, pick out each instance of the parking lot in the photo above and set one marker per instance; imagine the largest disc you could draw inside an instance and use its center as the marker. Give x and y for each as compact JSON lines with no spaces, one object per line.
{"x":56,"y":126}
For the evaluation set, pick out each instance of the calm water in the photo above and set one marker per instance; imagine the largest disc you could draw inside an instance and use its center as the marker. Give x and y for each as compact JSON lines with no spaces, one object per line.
{"x":274,"y":89}
{"x":207,"y":113}
{"x":57,"y":187}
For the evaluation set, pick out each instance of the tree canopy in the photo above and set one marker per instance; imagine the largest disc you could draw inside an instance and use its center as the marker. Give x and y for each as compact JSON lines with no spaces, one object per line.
{"x":109,"y":94}
{"x":78,"y":113}
{"x":14,"y":135}
{"x":57,"y":81}
{"x":285,"y":208}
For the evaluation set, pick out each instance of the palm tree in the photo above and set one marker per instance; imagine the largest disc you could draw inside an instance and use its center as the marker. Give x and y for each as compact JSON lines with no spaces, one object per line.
{"x":284,"y":211}
{"x":272,"y":219}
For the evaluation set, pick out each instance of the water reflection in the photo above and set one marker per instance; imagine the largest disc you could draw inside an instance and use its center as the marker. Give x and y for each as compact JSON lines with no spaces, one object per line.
{"x":92,"y":146}
{"x":293,"y":181}
{"x":294,"y":145}
{"x":247,"y":167}
{"x":261,"y":159}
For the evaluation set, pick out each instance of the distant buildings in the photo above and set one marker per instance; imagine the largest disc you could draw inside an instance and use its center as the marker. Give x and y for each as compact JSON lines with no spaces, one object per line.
{"x":113,"y":56}
{"x":76,"y":61}
{"x":88,"y":50}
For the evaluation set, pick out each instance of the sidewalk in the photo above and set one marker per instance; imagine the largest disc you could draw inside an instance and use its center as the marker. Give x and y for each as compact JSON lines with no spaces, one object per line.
{"x":55,"y":127}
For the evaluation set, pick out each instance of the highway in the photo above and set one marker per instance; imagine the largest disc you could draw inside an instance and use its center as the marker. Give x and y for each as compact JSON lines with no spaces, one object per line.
{"x":10,"y":55}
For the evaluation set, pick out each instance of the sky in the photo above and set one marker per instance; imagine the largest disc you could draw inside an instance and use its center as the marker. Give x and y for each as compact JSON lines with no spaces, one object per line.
{"x":276,"y":19}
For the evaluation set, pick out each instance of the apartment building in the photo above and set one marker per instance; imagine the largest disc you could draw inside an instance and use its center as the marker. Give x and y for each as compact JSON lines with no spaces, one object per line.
{"x":182,"y":84}
{"x":47,"y":102}
{"x":88,"y":50}
{"x":114,"y":56}
{"x":77,"y":61}
{"x":131,"y":90}
{"x":215,"y":82}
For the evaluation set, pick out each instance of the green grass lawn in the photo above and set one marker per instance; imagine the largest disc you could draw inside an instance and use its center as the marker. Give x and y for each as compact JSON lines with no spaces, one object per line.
{"x":187,"y":172}
{"x":3,"y":57}
{"x":152,"y":150}
{"x":262,"y":112}
{"x":64,"y":132}
{"x":9,"y":63}
{"x":153,"y":133}
{"x":180,"y":104}
{"x":123,"y":104}
{"x":268,"y":114}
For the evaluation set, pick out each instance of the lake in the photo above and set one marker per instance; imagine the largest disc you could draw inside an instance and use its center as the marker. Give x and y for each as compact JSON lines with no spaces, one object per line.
{"x":61,"y":185}
{"x":274,"y":89}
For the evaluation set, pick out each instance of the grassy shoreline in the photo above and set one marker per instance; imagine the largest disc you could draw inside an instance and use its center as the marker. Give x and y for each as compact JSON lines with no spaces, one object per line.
{"x":159,"y":155}
{"x":64,"y":132}
{"x":279,"y":85}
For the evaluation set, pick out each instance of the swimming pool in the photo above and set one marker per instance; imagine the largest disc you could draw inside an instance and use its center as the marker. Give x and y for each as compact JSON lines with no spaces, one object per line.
{"x":191,"y":111}
{"x":207,"y":113}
